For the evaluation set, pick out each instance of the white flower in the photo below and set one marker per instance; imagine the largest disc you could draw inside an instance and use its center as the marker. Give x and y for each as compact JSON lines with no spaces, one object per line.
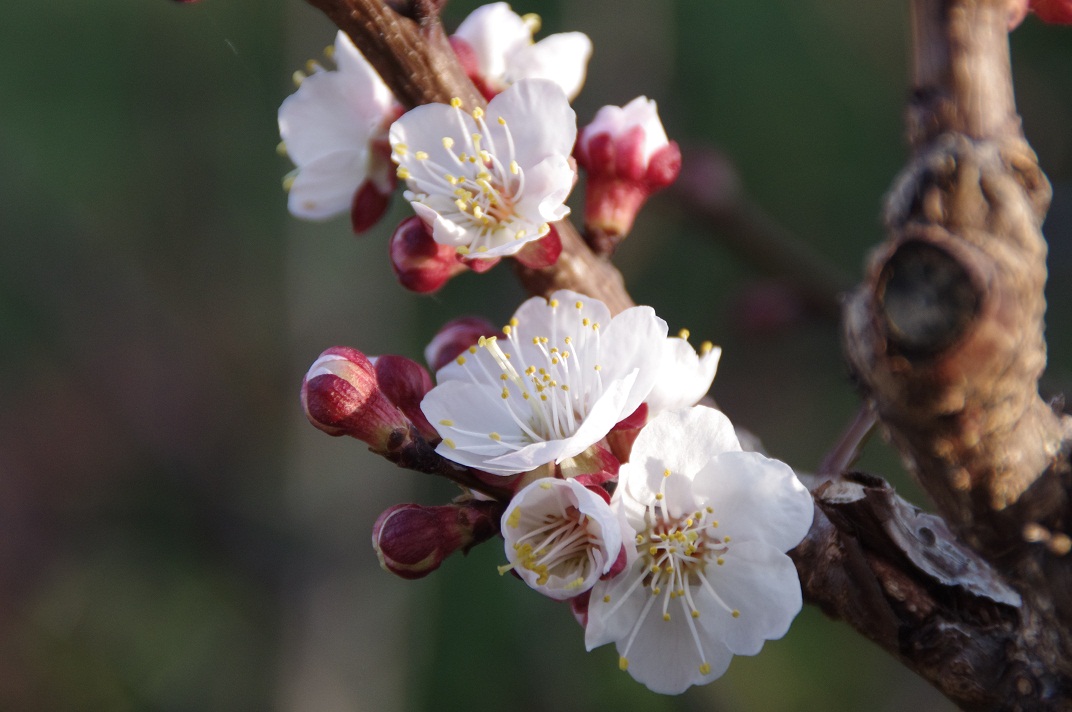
{"x":565,"y":374}
{"x":501,"y":41}
{"x":560,"y":537}
{"x":330,"y":127}
{"x":684,"y":377}
{"x":709,"y":578}
{"x":489,"y":187}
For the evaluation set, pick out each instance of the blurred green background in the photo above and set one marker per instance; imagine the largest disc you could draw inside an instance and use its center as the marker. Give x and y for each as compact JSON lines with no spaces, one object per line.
{"x":174,"y":536}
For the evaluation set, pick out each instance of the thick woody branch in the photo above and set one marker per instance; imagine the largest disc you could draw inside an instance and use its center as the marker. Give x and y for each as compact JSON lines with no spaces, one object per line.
{"x":946,"y":333}
{"x":415,"y":60}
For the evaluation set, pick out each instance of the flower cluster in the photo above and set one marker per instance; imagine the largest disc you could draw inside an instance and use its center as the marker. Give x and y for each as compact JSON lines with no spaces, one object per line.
{"x":669,"y":543}
{"x":577,"y":435}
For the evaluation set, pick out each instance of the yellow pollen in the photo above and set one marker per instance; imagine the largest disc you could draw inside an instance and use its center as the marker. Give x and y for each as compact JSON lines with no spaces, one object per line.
{"x":298,"y":77}
{"x":329,"y":51}
{"x":666,"y":617}
{"x":543,"y":397}
{"x":659,"y":495}
{"x":585,"y":322}
{"x":545,"y":485}
{"x":421,"y":156}
{"x":520,"y":235}
{"x":606,"y":599}
{"x":720,"y":561}
{"x":714,"y":524}
{"x":736,"y":613}
{"x":462,"y":250}
{"x":653,"y":550}
{"x":623,"y":663}
{"x":456,"y":103}
{"x":514,"y":168}
{"x":726,"y":539}
{"x":705,"y":669}
{"x":448,"y":142}
{"x":486,"y":157}
{"x":401,"y":148}
{"x":288,"y":181}
{"x":477,"y":212}
{"x":460,"y":360}
{"x":446,"y":422}
{"x":695,"y":614}
{"x":502,"y":121}
{"x":568,"y":340}
{"x":495,"y":436}
{"x":402,"y":173}
{"x":506,"y":394}
{"x":705,"y":348}
{"x":515,"y":518}
{"x":639,"y":538}
{"x":544,"y":229}
{"x":553,"y":303}
{"x":514,"y":321}
{"x":595,"y":326}
{"x":532,"y":22}
{"x":472,"y":349}
{"x":666,"y":472}
{"x":310,"y":66}
{"x":684,"y":334}
{"x":506,"y":330}
{"x":449,"y":443}
{"x":598,"y":367}
{"x":478,"y":113}
{"x":450,"y":179}
{"x":656,"y":591}
{"x":281,"y":148}
{"x":710,"y":510}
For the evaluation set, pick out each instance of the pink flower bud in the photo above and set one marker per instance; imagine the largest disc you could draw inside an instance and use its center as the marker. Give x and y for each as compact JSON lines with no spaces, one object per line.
{"x":456,"y":336}
{"x":420,"y":263}
{"x":411,"y":541}
{"x":471,"y":65}
{"x":1055,"y":11}
{"x":628,"y":157}
{"x":405,"y":382}
{"x":341,"y":395}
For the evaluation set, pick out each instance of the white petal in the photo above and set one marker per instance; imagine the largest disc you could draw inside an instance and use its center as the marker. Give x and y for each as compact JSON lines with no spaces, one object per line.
{"x":547,"y":185}
{"x":494,"y":32}
{"x":755,"y":498}
{"x":474,"y":412}
{"x":376,"y":98}
{"x":615,"y":121}
{"x":540,"y":118}
{"x":325,"y":186}
{"x":762,"y":584}
{"x":633,"y":340}
{"x":562,"y":58}
{"x":684,"y":377}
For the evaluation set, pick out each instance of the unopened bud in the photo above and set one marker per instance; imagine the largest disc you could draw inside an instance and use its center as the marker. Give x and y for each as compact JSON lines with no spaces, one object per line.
{"x":628,"y":157}
{"x":412,"y":541}
{"x":405,"y":382}
{"x":456,"y":336}
{"x":420,"y":263}
{"x":341,"y":395}
{"x":1055,"y":11}
{"x":471,"y":65}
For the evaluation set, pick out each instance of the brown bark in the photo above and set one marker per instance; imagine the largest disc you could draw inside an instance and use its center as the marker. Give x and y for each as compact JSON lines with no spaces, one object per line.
{"x":946,"y":333}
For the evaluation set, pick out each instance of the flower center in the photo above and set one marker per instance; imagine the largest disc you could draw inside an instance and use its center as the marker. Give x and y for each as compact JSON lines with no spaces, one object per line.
{"x":549,"y":397}
{"x":557,"y":545}
{"x":480,"y":185}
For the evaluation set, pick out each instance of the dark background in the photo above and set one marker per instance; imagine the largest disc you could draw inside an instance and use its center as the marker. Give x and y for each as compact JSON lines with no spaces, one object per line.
{"x":174,"y":536}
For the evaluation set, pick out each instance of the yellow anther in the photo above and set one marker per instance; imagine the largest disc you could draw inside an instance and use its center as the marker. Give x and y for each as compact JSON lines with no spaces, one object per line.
{"x":544,"y":229}
{"x":710,"y":510}
{"x":421,"y":155}
{"x":520,"y":235}
{"x":281,"y":148}
{"x":623,"y":663}
{"x":736,"y":613}
{"x":502,"y":121}
{"x":448,"y":142}
{"x":507,"y":330}
{"x":565,"y":387}
{"x":639,"y":538}
{"x":401,"y":148}
{"x":595,"y":326}
{"x":456,"y":103}
{"x":543,"y":397}
{"x":658,"y":495}
{"x":478,"y":113}
{"x":514,"y":321}
{"x":329,"y":51}
{"x":726,"y":539}
{"x":288,"y":180}
{"x":598,"y":367}
{"x":666,"y":617}
{"x":532,"y":22}
{"x":402,"y":172}
{"x":460,"y":360}
{"x":705,"y":669}
{"x":297,"y":77}
{"x":515,"y":518}
{"x":695,"y":613}
{"x":684,"y":334}
{"x":446,"y":422}
{"x":311,"y":66}
{"x":514,"y":168}
{"x":553,"y":303}
{"x":705,"y":348}
{"x":666,"y":472}
{"x":477,"y":212}
{"x":473,"y":349}
{"x":449,"y":443}
{"x":546,"y":484}
{"x":486,"y":157}
{"x":585,"y":321}
{"x":653,"y":550}
{"x":495,"y":436}
{"x":505,"y":393}
{"x":606,"y":599}
{"x":720,"y":561}
{"x":714,"y":524}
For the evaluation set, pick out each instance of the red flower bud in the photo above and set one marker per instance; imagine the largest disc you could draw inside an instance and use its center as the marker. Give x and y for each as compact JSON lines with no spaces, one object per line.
{"x":411,"y":541}
{"x":420,"y":263}
{"x":341,"y":395}
{"x":456,"y":336}
{"x":1056,"y":11}
{"x":368,"y":206}
{"x":405,"y":382}
{"x":541,"y":253}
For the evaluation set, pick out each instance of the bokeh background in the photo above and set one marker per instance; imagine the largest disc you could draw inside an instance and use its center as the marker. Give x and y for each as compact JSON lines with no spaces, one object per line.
{"x":174,"y":536}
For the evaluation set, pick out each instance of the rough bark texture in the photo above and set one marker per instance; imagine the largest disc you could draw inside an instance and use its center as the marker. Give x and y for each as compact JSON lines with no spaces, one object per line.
{"x":946,"y":333}
{"x":946,"y":338}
